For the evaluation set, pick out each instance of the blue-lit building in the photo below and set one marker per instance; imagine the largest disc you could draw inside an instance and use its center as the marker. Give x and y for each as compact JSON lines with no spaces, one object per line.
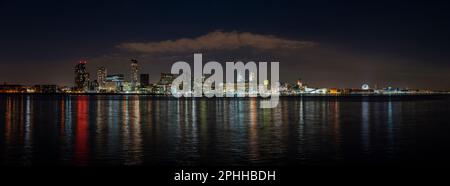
{"x":114,"y":82}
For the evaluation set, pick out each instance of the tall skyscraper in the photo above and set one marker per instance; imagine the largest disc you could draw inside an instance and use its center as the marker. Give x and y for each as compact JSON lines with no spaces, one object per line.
{"x":114,"y":82}
{"x":145,"y":80}
{"x":101,"y":77}
{"x":81,"y":77}
{"x":134,"y":74}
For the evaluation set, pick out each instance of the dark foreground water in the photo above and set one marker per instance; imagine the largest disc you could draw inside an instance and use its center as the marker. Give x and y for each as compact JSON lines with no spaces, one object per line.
{"x":143,"y":130}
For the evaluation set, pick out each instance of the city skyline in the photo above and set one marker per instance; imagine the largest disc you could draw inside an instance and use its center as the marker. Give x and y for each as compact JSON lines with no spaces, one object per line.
{"x":83,"y":82}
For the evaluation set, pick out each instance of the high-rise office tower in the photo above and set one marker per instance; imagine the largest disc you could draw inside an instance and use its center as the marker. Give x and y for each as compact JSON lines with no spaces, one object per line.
{"x":145,"y":80}
{"x":101,"y":77}
{"x":81,"y":77}
{"x":134,"y":74}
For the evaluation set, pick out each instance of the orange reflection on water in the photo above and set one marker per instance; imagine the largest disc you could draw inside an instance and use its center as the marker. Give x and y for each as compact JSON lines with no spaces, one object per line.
{"x":8,"y":117}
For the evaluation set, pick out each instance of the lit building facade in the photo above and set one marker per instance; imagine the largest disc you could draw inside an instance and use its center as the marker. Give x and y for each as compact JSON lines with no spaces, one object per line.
{"x":46,"y":89}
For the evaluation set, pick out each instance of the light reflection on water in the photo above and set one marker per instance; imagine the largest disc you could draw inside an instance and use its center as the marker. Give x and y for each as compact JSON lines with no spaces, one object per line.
{"x":143,"y":130}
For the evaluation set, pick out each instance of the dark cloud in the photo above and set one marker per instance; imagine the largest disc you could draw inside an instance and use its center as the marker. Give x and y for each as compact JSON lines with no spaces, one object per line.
{"x":217,"y":40}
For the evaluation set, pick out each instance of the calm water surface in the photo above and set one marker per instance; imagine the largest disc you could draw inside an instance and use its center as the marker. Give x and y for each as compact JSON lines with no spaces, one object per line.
{"x":104,"y":130}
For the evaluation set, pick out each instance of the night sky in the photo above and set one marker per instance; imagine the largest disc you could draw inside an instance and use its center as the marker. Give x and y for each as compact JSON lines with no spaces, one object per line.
{"x":327,"y":44}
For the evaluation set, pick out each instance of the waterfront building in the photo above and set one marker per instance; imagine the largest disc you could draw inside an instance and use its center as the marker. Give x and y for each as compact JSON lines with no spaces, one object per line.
{"x":114,"y":83}
{"x":127,"y":87}
{"x":65,"y":89}
{"x":94,"y":86}
{"x":144,"y":80}
{"x":46,"y":89}
{"x":164,"y":84}
{"x":299,"y":83}
{"x":334,"y":91}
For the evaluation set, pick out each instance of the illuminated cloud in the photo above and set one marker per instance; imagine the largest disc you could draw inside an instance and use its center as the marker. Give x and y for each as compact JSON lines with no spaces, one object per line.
{"x":217,"y":40}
